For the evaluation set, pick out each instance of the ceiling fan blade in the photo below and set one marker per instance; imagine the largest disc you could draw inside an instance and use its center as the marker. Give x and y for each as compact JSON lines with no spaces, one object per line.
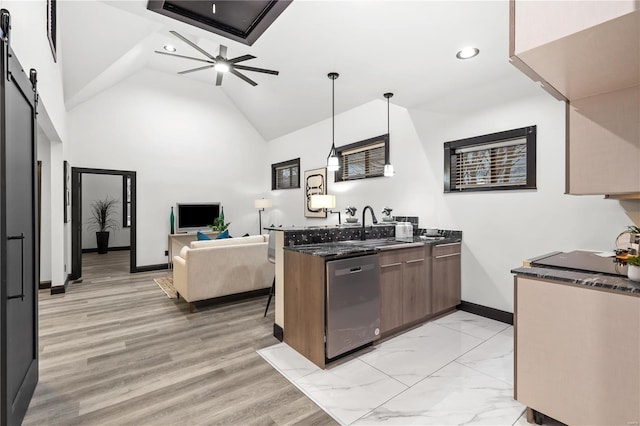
{"x":196,"y":69}
{"x":223,"y":51}
{"x":219,"y":78}
{"x":185,"y":57}
{"x":246,"y":68}
{"x":240,"y":59}
{"x":242,"y":76}
{"x":192,"y":44}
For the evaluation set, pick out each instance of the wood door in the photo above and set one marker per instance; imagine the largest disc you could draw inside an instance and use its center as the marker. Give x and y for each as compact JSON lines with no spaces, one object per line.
{"x":390,"y":291}
{"x":416,"y":298}
{"x":19,"y":263}
{"x":445,"y":280}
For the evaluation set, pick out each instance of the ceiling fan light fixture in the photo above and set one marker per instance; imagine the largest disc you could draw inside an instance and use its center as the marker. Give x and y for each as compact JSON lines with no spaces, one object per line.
{"x":169,"y":48}
{"x":222,"y":66}
{"x":467,"y":52}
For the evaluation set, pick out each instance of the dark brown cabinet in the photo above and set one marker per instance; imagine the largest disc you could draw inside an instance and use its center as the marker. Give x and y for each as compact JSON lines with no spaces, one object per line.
{"x":445,"y":277}
{"x":405,"y":293}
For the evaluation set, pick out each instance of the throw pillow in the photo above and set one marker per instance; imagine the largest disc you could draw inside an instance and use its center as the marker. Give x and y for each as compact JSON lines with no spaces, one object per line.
{"x":202,"y":237}
{"x":224,"y":234}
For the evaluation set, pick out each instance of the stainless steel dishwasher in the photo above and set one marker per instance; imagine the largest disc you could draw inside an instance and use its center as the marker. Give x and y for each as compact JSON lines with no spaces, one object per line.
{"x":353,"y":303}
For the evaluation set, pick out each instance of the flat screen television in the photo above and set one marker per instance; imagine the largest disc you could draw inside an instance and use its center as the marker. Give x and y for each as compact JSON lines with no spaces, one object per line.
{"x":192,"y":217}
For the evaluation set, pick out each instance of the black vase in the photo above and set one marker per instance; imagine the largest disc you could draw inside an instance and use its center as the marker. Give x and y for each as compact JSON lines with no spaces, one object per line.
{"x":102,"y":238}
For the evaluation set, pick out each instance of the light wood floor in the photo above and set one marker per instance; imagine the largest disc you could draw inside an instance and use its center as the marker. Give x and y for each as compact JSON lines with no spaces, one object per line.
{"x":115,"y":350}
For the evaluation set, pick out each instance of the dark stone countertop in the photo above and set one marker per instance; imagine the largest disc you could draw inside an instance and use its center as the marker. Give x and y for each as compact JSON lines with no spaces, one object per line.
{"x":617,"y":284}
{"x":340,"y":249}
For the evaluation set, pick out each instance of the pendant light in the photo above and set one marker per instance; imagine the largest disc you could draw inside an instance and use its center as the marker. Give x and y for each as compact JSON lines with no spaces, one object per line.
{"x":388,"y":167}
{"x":333,"y":164}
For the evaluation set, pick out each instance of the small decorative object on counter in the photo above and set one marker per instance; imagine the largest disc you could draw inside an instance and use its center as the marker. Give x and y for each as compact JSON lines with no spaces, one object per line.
{"x":629,"y":240}
{"x":351,"y":213}
{"x":387,"y":214}
{"x":633,"y":268}
{"x":172,"y":220}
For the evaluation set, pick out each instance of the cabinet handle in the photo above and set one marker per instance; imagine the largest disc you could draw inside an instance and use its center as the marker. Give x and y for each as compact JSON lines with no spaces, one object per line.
{"x":448,"y":244}
{"x":415,"y":260}
{"x":447,"y":255}
{"x":390,"y":265}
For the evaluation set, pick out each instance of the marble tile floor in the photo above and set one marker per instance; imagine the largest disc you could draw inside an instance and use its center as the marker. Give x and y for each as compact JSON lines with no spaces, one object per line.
{"x":457,"y":369}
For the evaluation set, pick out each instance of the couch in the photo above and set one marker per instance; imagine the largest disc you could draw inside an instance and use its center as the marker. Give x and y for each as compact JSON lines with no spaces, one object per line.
{"x":214,"y":268}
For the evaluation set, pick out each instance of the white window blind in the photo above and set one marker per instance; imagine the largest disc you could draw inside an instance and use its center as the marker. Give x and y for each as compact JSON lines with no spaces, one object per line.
{"x":363,"y":161}
{"x":287,"y":176}
{"x":501,"y":163}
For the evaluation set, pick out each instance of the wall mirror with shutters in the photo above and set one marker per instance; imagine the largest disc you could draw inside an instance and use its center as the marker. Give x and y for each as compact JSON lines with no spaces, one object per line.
{"x":364,"y":159}
{"x":285,"y":175}
{"x":497,"y":161}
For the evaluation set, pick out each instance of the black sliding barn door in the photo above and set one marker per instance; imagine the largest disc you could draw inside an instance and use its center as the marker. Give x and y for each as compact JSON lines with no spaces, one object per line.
{"x":19,"y":264}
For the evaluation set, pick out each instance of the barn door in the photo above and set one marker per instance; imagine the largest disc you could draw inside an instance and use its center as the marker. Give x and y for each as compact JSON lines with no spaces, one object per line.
{"x":19,"y":274}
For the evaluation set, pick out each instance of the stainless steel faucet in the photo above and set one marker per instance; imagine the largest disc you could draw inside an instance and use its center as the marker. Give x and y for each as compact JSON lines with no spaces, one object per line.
{"x":373,"y":216}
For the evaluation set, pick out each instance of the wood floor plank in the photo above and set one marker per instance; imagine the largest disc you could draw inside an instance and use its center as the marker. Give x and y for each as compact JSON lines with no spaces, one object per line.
{"x":115,"y":350}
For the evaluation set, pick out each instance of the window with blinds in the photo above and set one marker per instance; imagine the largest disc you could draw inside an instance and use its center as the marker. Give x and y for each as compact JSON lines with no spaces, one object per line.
{"x":499,"y":161}
{"x":363,"y":159}
{"x":285,"y":175}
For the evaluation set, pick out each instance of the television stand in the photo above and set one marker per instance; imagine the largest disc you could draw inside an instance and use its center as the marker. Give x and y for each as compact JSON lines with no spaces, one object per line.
{"x":177,"y":241}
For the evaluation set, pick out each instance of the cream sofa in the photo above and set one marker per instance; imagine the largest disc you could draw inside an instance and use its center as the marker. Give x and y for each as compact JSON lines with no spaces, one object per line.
{"x":214,"y":268}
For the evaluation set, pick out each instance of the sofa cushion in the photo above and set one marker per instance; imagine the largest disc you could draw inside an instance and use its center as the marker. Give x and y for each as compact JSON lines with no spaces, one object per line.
{"x":227,"y":242}
{"x":224,"y":234}
{"x":202,"y":237}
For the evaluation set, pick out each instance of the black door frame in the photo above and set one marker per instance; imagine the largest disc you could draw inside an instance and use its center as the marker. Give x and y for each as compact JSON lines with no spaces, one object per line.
{"x":76,"y":217}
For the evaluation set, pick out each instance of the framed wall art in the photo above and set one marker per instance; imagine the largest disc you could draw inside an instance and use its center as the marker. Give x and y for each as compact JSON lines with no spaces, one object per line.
{"x":315,"y":183}
{"x":51,"y":27}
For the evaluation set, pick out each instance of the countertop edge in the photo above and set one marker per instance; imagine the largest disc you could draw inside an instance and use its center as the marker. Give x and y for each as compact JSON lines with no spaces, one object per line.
{"x":617,"y":284}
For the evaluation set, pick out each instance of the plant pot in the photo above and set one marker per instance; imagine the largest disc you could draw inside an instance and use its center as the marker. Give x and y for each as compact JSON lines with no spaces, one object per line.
{"x":102,"y":239}
{"x":633,"y":272}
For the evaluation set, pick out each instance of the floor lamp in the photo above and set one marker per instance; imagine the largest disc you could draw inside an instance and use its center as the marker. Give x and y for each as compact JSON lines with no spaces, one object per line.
{"x":261,"y":204}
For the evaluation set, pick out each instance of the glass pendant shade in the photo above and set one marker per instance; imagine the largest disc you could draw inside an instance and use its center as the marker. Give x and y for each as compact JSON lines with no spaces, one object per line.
{"x":333,"y":164}
{"x":388,"y":170}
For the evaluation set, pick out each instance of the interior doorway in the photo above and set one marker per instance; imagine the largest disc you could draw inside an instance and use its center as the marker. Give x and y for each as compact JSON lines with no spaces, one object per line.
{"x":127,"y":212}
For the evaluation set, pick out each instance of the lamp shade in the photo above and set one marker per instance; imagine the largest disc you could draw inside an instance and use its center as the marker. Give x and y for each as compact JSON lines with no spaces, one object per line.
{"x":262,"y":203}
{"x":323,"y":201}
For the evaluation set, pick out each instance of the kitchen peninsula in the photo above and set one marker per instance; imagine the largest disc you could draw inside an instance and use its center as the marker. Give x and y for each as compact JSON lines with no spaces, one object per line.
{"x":577,"y":339}
{"x":410,"y":282}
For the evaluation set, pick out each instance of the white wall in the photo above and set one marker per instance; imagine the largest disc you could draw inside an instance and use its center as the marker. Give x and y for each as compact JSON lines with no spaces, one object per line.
{"x":186,"y":141}
{"x":312,"y":145}
{"x":500,"y":228}
{"x":98,"y":187}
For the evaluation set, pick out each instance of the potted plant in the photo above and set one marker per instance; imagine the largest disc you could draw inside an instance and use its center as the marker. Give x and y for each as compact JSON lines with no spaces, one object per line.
{"x":633,"y":268}
{"x":103,"y":219}
{"x":218,"y":223}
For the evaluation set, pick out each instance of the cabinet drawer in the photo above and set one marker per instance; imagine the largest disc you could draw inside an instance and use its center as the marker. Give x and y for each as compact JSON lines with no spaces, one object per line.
{"x":446,"y":249}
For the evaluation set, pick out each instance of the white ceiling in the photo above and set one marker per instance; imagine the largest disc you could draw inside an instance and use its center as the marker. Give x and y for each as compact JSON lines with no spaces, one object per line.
{"x":406,"y":47}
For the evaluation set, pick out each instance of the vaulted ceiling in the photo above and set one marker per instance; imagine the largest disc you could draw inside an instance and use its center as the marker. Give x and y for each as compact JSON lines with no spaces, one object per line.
{"x":406,"y":47}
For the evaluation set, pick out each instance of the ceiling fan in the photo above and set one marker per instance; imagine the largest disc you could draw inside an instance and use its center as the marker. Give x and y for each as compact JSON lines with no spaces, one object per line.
{"x":220,"y":63}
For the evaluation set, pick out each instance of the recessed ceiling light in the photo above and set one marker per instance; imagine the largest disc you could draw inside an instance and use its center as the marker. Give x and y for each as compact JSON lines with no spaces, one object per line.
{"x":467,"y":53}
{"x":169,"y":48}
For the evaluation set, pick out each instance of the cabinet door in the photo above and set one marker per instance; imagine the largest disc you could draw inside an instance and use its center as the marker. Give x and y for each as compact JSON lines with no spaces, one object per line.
{"x":390,"y":291}
{"x":445,"y":277}
{"x":416,"y":297}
